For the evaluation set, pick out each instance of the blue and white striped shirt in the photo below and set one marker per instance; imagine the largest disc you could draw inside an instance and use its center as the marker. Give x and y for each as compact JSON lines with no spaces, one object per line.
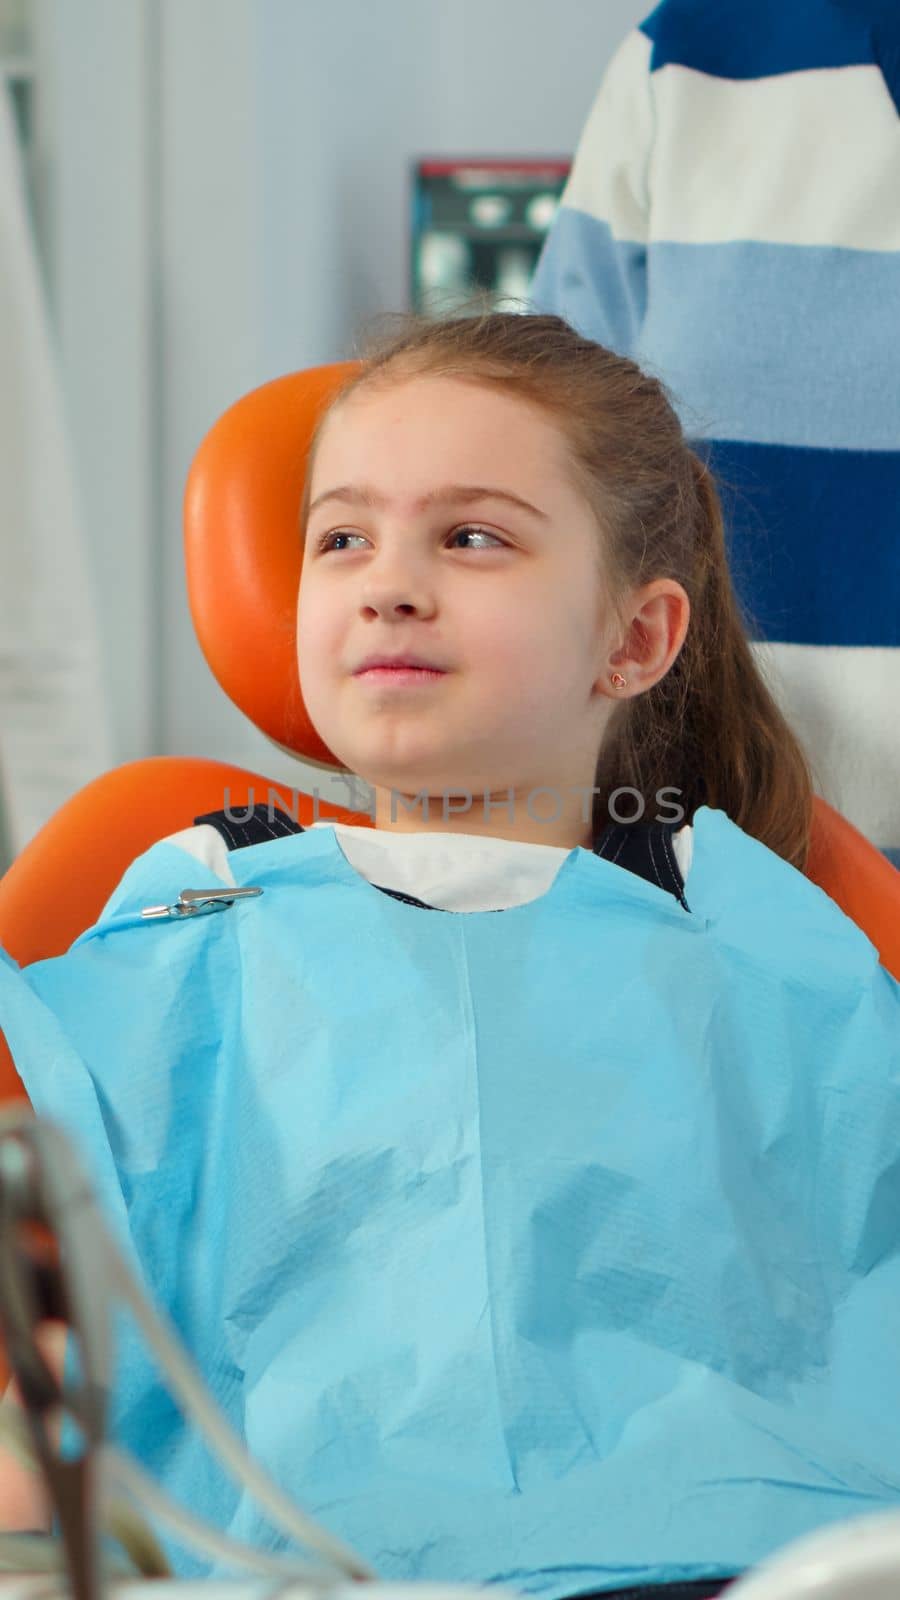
{"x":732,"y":223}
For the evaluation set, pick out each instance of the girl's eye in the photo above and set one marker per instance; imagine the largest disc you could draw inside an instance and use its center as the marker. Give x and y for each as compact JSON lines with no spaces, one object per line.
{"x":326,"y":542}
{"x":480,"y":533}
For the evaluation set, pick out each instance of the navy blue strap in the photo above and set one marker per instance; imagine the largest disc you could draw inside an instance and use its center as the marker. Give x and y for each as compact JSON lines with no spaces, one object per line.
{"x":683,"y":1589}
{"x":251,"y":825}
{"x":644,"y":848}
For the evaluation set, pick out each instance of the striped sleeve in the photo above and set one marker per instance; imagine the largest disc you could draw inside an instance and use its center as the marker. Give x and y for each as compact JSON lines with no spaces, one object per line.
{"x":593,"y":267}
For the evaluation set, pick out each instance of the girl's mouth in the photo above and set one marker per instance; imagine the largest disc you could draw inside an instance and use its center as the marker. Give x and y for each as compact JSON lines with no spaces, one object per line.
{"x":400,"y":677}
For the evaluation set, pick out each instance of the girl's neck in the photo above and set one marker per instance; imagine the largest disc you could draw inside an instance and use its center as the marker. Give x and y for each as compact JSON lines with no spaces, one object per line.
{"x":529,"y":818}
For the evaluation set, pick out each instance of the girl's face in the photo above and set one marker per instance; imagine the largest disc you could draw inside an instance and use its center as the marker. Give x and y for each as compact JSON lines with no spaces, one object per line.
{"x":502,"y":594}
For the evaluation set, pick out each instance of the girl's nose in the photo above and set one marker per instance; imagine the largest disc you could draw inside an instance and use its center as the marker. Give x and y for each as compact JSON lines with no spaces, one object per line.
{"x":389,"y":597}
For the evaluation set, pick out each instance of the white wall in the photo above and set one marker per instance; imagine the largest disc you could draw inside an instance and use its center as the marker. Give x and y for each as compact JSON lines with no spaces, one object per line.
{"x":234,"y":203}
{"x":94,"y":156}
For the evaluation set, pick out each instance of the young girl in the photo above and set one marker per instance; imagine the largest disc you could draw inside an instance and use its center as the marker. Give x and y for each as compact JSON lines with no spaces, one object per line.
{"x":522,"y":1173}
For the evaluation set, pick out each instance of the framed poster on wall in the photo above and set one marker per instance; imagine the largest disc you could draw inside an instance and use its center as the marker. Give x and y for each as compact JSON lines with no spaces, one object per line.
{"x":479,"y":223}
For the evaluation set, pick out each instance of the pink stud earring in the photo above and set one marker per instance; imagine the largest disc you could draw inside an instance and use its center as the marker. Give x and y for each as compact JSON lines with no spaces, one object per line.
{"x":618,"y":682}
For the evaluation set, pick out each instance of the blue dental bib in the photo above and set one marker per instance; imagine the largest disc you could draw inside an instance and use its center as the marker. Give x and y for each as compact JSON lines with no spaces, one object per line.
{"x":556,"y":1248}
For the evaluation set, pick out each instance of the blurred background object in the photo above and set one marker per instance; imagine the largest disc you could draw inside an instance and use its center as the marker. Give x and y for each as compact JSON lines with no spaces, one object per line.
{"x":54,"y":719}
{"x":479,"y":223}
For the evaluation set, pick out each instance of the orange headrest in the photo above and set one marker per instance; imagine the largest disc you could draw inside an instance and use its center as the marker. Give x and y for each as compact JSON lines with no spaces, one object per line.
{"x":243,"y":554}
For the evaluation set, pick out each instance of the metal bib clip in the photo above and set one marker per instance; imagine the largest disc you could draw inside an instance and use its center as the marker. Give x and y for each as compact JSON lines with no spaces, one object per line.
{"x":195,"y":902}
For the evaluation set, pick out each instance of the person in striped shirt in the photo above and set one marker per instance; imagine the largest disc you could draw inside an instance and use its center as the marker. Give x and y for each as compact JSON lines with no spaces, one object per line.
{"x":732,"y":223}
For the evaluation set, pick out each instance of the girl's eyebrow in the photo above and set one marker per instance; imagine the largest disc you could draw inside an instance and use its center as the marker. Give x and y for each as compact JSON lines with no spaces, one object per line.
{"x":451,"y":493}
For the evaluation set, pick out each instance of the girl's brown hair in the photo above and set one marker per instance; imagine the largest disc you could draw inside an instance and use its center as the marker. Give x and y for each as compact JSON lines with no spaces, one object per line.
{"x":710,"y":728}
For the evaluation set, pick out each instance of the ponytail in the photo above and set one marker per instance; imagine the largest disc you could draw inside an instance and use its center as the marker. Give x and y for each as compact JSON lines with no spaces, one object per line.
{"x":711,"y":728}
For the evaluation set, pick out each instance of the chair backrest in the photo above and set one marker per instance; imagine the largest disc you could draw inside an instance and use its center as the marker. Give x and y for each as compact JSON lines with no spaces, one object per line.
{"x":243,"y":563}
{"x":243,"y":553}
{"x":861,"y":880}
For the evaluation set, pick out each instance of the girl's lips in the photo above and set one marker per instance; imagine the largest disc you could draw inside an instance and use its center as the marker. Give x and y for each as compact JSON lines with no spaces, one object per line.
{"x":399,"y":676}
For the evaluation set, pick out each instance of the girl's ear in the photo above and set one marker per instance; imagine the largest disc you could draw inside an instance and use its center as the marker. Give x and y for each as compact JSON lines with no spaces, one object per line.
{"x":660,"y":615}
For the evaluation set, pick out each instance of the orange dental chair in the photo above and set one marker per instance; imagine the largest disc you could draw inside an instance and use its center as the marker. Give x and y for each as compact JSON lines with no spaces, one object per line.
{"x":243,"y":560}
